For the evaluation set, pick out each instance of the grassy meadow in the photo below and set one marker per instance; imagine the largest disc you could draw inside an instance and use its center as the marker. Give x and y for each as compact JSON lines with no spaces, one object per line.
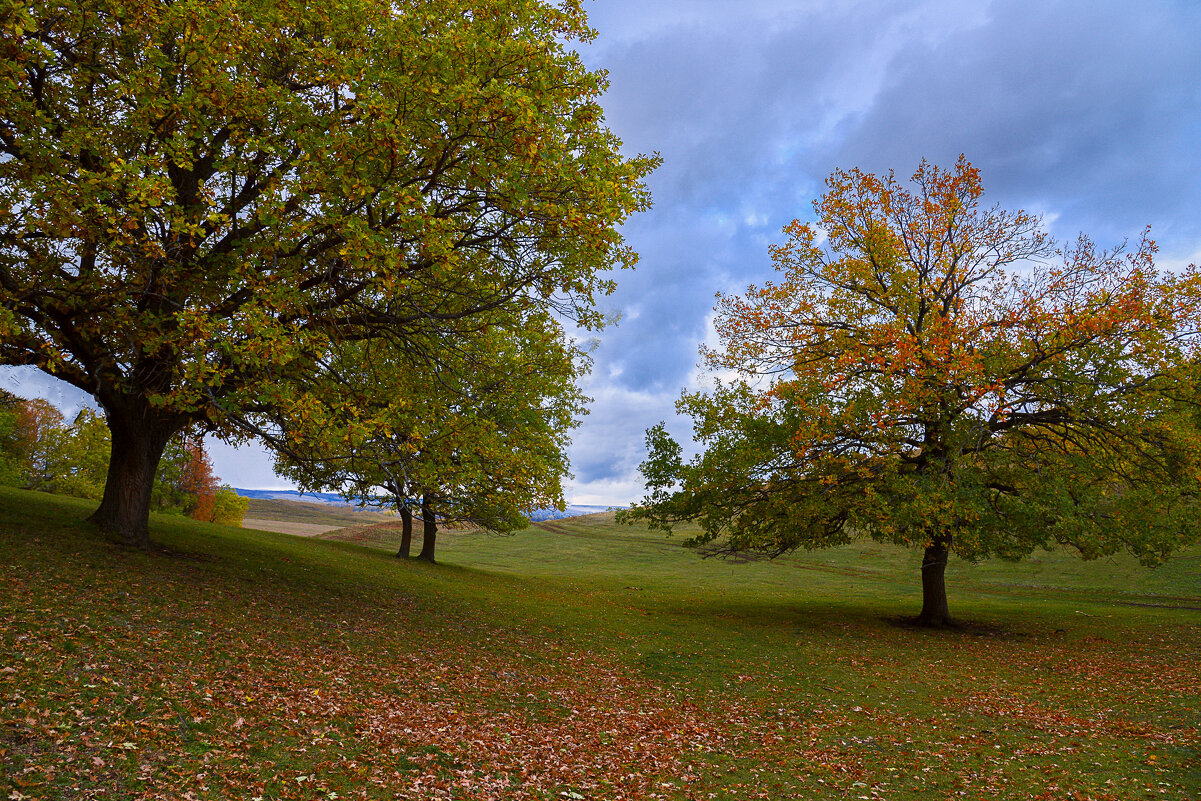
{"x":577,"y":660}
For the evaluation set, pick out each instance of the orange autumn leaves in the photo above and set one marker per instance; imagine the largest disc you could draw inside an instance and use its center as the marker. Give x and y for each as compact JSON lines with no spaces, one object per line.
{"x":198,"y":480}
{"x":928,"y":369}
{"x":902,"y":309}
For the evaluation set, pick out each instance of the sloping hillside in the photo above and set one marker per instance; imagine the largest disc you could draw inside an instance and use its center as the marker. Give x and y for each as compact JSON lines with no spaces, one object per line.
{"x":576,"y":661}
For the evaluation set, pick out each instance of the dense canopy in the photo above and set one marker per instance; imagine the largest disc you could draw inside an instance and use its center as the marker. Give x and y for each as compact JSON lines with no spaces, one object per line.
{"x":479,"y":438}
{"x":199,"y":199}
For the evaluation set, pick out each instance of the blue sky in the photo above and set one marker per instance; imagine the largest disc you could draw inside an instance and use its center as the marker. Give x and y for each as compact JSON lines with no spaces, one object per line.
{"x":1087,"y":112}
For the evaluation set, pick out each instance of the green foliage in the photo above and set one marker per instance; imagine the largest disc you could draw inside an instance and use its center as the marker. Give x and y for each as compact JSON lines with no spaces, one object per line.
{"x":169,"y":493}
{"x":229,"y":507}
{"x":43,"y":443}
{"x":200,"y":199}
{"x":662,"y":464}
{"x":480,"y":434}
{"x":940,"y":375}
{"x":85,"y":457}
{"x":11,"y":452}
{"x":40,"y":452}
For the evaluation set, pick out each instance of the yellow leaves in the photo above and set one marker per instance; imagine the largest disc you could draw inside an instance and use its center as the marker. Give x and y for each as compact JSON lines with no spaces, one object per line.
{"x":356,"y":178}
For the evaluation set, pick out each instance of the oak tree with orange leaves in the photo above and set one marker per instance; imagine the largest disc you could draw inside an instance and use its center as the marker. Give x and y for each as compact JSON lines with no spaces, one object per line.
{"x":934,"y":373}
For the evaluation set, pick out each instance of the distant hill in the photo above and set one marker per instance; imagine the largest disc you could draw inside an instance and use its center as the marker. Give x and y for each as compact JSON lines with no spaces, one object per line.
{"x":294,"y":495}
{"x":309,"y":513}
{"x":333,"y":499}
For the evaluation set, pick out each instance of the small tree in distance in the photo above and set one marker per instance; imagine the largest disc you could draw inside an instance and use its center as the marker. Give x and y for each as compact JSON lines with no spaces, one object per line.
{"x":228,"y":506}
{"x":943,"y":376}
{"x":198,"y":480}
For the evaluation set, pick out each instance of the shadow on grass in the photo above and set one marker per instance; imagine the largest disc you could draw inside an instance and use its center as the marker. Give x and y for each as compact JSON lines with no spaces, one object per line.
{"x":958,"y":628}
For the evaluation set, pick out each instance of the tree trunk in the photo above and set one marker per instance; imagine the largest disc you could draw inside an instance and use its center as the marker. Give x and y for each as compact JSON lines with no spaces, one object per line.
{"x":429,"y":532}
{"x":406,"y":532}
{"x":137,"y":447}
{"x":934,"y":585}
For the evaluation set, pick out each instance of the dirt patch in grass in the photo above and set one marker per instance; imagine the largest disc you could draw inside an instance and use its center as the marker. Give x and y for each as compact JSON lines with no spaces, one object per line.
{"x":296,"y":529}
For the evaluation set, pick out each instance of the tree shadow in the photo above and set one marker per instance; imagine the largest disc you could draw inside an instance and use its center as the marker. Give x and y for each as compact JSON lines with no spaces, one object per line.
{"x":969,"y":628}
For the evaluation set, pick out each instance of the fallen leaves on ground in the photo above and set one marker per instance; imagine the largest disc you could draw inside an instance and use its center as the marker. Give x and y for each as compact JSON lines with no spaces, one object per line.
{"x":176,"y":680}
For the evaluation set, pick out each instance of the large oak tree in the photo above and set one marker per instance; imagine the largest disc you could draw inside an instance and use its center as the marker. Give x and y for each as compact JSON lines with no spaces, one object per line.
{"x":938,"y":374}
{"x":200,"y":199}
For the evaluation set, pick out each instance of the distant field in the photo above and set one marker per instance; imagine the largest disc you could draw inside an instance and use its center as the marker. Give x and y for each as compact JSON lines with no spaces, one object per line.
{"x":316,"y":513}
{"x":578,"y":660}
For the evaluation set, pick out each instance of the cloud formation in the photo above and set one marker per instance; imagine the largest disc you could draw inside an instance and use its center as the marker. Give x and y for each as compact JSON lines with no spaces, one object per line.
{"x":1087,"y":112}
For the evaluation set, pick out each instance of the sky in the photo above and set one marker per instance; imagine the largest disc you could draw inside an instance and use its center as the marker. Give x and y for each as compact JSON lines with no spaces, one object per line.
{"x":1087,"y":112}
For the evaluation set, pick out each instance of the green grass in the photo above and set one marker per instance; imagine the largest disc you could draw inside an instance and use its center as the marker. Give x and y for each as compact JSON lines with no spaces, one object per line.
{"x":578,"y":660}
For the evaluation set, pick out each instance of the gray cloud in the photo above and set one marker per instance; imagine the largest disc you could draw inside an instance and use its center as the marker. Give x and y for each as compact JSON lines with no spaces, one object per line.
{"x":1088,"y":112}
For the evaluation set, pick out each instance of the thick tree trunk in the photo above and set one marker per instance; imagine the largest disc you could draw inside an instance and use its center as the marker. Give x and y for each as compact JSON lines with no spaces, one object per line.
{"x":429,"y":530}
{"x":406,"y":532}
{"x":934,"y":586}
{"x":137,"y":447}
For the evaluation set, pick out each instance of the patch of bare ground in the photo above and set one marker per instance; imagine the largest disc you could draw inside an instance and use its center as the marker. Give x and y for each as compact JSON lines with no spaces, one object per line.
{"x":387,"y":535}
{"x":284,"y":527}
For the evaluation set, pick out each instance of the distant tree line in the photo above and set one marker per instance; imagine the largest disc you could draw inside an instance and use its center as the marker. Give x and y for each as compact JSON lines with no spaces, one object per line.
{"x":40,"y":451}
